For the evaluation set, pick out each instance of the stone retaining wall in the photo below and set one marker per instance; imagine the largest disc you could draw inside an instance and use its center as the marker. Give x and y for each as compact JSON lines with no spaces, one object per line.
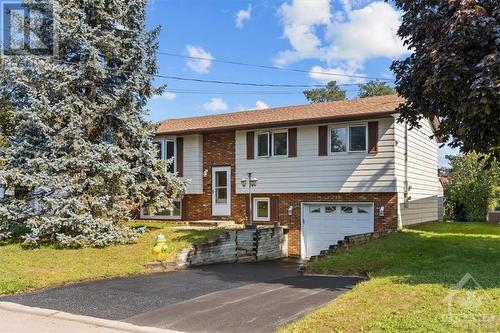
{"x":238,"y":246}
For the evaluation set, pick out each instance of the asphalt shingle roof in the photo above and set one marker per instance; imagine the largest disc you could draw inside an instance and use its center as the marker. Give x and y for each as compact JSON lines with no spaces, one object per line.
{"x":370,"y":107}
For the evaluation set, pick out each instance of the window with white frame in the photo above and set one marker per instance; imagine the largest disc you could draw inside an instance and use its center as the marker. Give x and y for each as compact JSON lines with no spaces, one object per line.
{"x":280,"y":143}
{"x":171,"y":213}
{"x":263,"y":144}
{"x":165,"y":151}
{"x":273,"y":143}
{"x":348,"y":138}
{"x":261,"y":209}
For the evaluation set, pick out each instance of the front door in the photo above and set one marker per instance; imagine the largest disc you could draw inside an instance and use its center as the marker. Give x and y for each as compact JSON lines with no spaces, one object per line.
{"x":221,"y":191}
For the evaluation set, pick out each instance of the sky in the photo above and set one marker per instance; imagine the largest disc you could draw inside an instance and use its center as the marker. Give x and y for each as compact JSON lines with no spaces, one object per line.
{"x":349,"y":38}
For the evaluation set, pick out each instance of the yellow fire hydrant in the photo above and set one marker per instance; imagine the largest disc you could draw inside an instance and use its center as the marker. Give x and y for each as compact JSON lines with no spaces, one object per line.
{"x":160,"y":248}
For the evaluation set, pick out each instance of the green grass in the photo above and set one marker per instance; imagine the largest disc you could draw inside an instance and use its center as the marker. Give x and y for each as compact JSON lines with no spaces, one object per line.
{"x":410,"y":277}
{"x":22,"y":270}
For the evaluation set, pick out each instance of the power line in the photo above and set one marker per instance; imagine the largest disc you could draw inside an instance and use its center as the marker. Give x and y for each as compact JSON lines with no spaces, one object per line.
{"x":297,"y":70}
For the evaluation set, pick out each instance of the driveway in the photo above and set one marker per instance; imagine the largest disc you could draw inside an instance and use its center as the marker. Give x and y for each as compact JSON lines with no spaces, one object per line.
{"x":253,"y":297}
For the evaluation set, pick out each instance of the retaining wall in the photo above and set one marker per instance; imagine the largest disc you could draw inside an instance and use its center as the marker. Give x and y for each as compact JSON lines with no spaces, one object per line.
{"x":238,"y":246}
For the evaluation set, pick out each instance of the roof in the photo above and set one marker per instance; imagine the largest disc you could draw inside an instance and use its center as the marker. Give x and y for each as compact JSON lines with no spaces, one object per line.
{"x":370,"y":107}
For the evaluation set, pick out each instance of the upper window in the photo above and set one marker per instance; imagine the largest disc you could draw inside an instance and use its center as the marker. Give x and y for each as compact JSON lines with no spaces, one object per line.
{"x":272,"y":144}
{"x":338,"y":139}
{"x":348,"y":138}
{"x":280,"y":143}
{"x":357,"y":138}
{"x":165,"y":150}
{"x":261,"y":209}
{"x":263,"y":144}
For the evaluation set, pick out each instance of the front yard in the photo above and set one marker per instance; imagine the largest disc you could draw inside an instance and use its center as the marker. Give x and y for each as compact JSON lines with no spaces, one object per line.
{"x":410,"y":277}
{"x":22,"y":270}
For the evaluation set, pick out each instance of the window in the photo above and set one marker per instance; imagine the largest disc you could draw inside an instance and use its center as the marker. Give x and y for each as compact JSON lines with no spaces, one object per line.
{"x":338,"y":139}
{"x":357,"y":138}
{"x":330,"y":209}
{"x":348,"y":138}
{"x":263,"y":145}
{"x":165,"y":151}
{"x":170,"y":154}
{"x":261,"y":209}
{"x":314,"y":209}
{"x":363,"y":209}
{"x":346,"y":209}
{"x":170,"y":213}
{"x":280,"y":143}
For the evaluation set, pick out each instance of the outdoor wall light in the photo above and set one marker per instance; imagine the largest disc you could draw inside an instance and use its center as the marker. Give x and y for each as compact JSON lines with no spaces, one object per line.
{"x":205,"y":172}
{"x":381,"y":211}
{"x":290,"y":210}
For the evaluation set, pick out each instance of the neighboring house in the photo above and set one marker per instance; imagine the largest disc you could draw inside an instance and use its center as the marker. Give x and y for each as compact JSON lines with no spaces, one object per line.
{"x":324,"y":170}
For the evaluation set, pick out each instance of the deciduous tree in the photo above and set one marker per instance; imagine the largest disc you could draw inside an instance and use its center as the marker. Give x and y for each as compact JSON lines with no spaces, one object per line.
{"x":331,"y":92}
{"x":375,"y":88}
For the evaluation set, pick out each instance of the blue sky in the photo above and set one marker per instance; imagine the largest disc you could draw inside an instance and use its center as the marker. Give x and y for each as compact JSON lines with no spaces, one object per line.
{"x":347,"y":37}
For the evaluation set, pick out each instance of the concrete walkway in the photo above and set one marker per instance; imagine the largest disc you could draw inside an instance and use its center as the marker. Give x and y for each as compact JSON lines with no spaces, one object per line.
{"x":15,"y":318}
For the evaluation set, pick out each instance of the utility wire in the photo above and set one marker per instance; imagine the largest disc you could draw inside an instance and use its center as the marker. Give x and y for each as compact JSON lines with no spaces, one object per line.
{"x":271,"y":67}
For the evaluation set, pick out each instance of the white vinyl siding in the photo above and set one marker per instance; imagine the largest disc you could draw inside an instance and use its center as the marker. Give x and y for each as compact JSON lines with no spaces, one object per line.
{"x":310,"y":173}
{"x":422,"y":174}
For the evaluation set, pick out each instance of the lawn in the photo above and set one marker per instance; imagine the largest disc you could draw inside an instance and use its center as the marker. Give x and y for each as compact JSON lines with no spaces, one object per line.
{"x":410,"y":277}
{"x":22,"y":270}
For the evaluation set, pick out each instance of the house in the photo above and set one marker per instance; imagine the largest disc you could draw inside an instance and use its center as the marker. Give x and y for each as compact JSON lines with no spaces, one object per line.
{"x":324,"y":170}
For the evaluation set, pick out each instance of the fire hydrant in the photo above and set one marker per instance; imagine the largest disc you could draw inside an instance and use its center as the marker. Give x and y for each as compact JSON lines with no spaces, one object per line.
{"x":160,"y":248}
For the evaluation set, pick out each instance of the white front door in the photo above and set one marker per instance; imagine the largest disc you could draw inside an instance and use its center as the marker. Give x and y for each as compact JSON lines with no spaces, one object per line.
{"x":221,"y":191}
{"x":324,"y":224}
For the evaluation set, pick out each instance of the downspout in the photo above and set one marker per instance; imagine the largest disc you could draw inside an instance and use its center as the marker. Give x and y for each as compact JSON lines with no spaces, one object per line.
{"x":406,"y":185}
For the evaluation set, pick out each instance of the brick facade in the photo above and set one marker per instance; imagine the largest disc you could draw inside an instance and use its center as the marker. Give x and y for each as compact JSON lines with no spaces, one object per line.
{"x":219,"y":150}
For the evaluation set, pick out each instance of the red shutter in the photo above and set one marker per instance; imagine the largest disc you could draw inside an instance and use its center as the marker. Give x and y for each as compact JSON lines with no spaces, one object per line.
{"x":323,"y":140}
{"x":292,"y":142}
{"x":179,"y":158}
{"x":250,"y":145}
{"x":372,"y":137}
{"x":275,"y":216}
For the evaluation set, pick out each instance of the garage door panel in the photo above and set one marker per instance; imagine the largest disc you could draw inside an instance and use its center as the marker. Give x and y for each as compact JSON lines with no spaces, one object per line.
{"x":325,"y":224}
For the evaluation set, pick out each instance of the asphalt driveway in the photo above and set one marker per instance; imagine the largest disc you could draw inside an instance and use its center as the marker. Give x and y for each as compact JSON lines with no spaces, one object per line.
{"x":253,"y":297}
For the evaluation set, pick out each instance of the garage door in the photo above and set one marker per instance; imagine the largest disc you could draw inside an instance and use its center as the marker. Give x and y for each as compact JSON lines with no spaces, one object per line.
{"x":325,"y":224}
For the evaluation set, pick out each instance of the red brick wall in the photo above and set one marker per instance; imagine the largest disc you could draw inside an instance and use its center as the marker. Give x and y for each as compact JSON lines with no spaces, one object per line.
{"x":219,"y":150}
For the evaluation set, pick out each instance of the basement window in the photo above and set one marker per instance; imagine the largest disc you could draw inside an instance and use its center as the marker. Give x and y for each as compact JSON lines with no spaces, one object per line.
{"x":261,"y":209}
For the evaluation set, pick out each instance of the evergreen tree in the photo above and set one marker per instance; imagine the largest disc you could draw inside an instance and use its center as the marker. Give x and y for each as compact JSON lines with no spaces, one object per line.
{"x":331,"y":92}
{"x":375,"y":88}
{"x":79,"y":156}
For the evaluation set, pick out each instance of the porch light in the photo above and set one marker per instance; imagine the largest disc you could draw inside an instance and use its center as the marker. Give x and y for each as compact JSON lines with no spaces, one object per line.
{"x":252,"y":182}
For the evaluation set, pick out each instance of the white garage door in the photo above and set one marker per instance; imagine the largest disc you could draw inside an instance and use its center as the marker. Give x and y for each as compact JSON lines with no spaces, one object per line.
{"x":324,"y":224}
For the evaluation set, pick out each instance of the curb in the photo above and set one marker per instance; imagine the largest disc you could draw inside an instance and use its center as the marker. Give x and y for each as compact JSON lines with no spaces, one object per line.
{"x":359,"y":276}
{"x":112,"y":324}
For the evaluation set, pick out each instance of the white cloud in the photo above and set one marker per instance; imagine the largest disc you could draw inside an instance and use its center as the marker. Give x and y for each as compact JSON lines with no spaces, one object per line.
{"x":242,"y":16}
{"x":259,"y":105}
{"x":199,"y":65}
{"x":167,"y":95}
{"x":215,"y":104}
{"x":316,"y":73}
{"x":354,"y":33}
{"x":300,"y":20}
{"x":367,"y":32}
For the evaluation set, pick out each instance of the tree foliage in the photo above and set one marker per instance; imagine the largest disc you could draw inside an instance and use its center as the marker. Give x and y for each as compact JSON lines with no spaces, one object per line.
{"x":332,"y":92}
{"x":79,"y":154}
{"x":471,"y":186}
{"x":453,"y":72}
{"x":375,"y":88}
